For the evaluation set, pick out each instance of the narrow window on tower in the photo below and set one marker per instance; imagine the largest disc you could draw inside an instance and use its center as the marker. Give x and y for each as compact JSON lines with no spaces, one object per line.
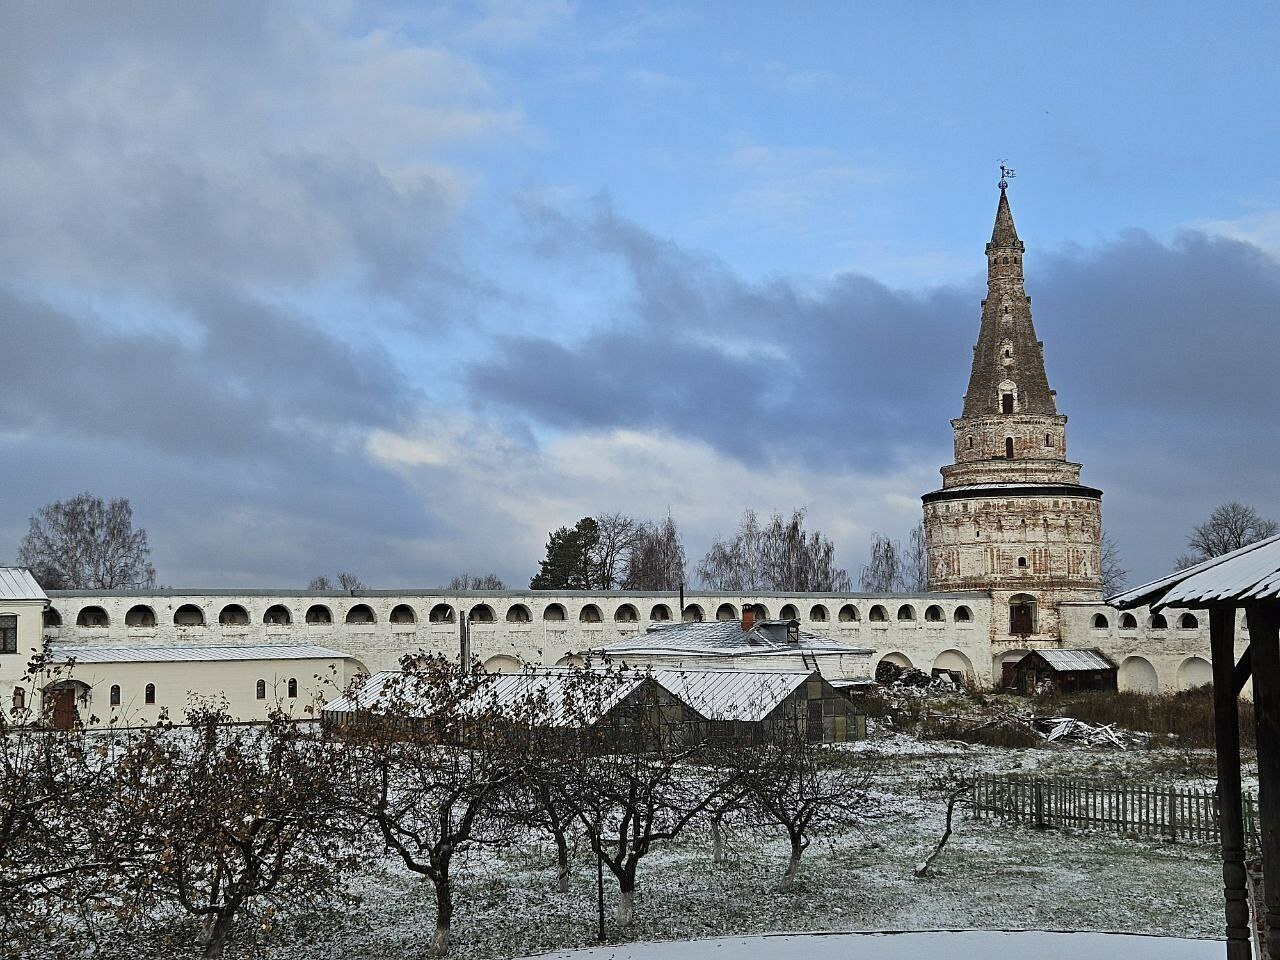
{"x":1048,"y":440}
{"x":1008,"y":448}
{"x":971,"y":443}
{"x":1006,"y":403}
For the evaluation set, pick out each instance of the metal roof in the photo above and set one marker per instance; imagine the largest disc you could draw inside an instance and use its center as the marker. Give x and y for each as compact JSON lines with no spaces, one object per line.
{"x":1068,"y":661}
{"x":108,"y":653}
{"x":561,"y":698}
{"x":17,"y":583}
{"x":712,"y":694}
{"x":732,"y":694}
{"x":725,"y":638}
{"x":1250,"y":573}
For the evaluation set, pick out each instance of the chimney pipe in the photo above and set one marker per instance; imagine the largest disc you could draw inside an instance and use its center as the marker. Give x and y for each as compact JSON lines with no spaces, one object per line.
{"x":748,"y":616}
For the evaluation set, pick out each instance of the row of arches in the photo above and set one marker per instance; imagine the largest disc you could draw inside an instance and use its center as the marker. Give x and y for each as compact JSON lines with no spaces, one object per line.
{"x":1157,"y":621}
{"x":143,"y":616}
{"x":1138,"y":674}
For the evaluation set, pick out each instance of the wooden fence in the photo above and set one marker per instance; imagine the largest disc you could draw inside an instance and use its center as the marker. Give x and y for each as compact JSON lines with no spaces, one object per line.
{"x":1170,"y":812}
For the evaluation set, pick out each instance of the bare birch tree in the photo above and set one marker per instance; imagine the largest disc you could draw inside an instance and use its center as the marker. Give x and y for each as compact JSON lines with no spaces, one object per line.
{"x":656,"y":560}
{"x":885,"y":572}
{"x":915,"y":563}
{"x":87,"y":544}
{"x":1114,"y":575}
{"x":485,"y":581}
{"x":779,"y":555}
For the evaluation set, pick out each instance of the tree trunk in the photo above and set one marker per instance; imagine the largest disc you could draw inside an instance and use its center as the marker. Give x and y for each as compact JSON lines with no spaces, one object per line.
{"x":793,"y":867}
{"x":562,"y":863}
{"x":717,"y":840}
{"x":444,"y":913}
{"x":215,"y":938}
{"x":626,"y":913}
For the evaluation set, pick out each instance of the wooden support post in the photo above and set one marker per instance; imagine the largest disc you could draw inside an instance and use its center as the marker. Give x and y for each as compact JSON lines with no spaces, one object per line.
{"x":1226,"y":715}
{"x":1263,"y":641}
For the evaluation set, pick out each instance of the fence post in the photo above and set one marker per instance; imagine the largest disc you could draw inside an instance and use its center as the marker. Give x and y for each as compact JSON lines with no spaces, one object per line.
{"x":1173,"y":815}
{"x":1039,"y":800}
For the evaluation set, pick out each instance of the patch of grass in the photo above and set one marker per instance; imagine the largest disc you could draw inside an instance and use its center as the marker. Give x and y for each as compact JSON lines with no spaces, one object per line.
{"x":1188,"y":715}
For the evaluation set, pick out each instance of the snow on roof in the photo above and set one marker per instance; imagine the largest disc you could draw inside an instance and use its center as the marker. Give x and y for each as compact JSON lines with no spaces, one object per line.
{"x":17,"y":583}
{"x":107,"y":653}
{"x":724,"y":638}
{"x":712,"y":694}
{"x":732,"y":694}
{"x":1068,"y":661}
{"x":1250,"y":573}
{"x":562,"y":697}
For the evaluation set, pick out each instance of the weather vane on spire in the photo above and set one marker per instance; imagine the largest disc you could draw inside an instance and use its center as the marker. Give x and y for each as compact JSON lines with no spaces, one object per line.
{"x":1006,"y":174}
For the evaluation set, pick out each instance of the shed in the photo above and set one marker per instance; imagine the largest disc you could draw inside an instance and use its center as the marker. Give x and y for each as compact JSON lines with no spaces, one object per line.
{"x":550,"y":701}
{"x":751,"y":706}
{"x":1070,"y":671}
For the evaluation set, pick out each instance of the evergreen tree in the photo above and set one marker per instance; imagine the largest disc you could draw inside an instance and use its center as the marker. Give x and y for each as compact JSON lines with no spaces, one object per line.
{"x":569,"y":563}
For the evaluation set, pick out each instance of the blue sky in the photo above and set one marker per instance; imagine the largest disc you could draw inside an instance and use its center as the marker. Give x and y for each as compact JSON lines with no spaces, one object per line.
{"x":398,"y":288}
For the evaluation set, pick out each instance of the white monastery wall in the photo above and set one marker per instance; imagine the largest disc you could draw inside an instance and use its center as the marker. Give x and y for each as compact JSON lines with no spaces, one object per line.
{"x":508,"y":629}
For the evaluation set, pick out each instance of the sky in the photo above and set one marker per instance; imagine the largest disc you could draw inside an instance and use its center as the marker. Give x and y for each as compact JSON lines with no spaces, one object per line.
{"x":399,"y":288}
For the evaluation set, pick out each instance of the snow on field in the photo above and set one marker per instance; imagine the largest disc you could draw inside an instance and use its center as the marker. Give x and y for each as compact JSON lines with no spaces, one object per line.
{"x":990,"y":876}
{"x":955,"y":945}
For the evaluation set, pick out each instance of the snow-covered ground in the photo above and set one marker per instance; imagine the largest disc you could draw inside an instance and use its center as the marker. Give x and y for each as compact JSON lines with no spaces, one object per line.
{"x":990,"y":876}
{"x":958,"y":945}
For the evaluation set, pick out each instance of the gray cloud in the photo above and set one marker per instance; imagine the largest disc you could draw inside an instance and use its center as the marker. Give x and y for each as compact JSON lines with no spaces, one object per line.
{"x":1163,"y":355}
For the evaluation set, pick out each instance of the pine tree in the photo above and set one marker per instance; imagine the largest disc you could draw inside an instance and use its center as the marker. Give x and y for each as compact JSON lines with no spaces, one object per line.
{"x":569,"y":562}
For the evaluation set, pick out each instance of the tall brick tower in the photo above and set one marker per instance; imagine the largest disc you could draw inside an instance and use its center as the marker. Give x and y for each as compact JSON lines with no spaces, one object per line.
{"x":1012,"y":516}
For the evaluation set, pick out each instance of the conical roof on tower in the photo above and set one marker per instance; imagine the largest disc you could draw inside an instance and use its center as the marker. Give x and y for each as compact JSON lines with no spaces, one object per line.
{"x":1008,"y":376}
{"x":1004,"y":233}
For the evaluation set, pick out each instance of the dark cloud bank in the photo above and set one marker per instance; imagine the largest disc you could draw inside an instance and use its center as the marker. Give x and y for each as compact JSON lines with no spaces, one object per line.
{"x":168,"y":189}
{"x":1163,"y":355}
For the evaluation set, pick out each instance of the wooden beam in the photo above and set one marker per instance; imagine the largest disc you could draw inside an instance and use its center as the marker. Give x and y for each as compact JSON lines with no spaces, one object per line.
{"x":1226,"y":714}
{"x":1264,"y":618}
{"x":1240,"y":676}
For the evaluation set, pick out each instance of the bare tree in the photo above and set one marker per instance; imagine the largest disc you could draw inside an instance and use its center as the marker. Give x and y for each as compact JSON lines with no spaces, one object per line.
{"x":791,"y":782}
{"x":632,"y":799}
{"x":915,"y":564}
{"x":433,"y":774}
{"x":344,"y":581}
{"x":487,"y":581}
{"x":617,"y":537}
{"x":1231,"y":526}
{"x":238,"y":819}
{"x":777,"y":556}
{"x":51,"y":793}
{"x":656,"y":561}
{"x":1114,"y":575}
{"x":87,"y":544}
{"x":885,"y":573}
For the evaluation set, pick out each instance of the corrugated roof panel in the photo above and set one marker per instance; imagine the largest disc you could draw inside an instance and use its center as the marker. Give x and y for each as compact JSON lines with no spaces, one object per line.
{"x":17,"y":583}
{"x":732,"y":694}
{"x":1071,"y":660}
{"x":556,"y":689}
{"x":1250,"y":573}
{"x":107,"y":653}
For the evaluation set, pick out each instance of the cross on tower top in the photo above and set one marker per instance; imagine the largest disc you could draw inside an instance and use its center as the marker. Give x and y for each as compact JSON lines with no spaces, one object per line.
{"x":1006,"y":174}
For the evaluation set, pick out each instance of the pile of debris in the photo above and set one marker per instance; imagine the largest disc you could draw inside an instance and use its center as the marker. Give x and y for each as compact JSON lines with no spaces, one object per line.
{"x":908,"y":679}
{"x":1067,"y":731}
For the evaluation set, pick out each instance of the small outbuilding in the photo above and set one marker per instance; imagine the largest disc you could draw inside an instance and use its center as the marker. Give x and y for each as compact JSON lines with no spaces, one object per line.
{"x":1068,"y":671}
